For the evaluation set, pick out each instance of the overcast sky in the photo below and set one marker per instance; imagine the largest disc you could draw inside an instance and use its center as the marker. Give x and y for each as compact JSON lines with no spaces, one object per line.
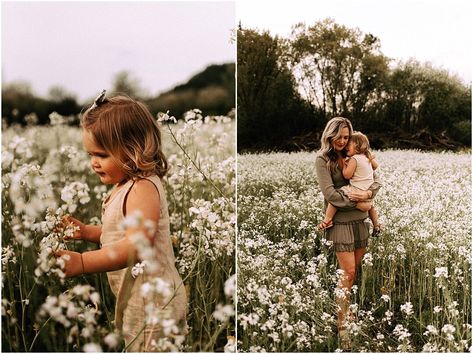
{"x":82,"y":45}
{"x":438,"y":31}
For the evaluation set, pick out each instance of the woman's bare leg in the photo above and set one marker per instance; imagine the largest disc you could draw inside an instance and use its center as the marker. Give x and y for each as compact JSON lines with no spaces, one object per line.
{"x":359,"y":253}
{"x":347,"y":262}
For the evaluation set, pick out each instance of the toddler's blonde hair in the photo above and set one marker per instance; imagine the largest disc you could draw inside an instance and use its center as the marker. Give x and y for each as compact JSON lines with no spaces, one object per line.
{"x":126,"y":129}
{"x":362,"y":144}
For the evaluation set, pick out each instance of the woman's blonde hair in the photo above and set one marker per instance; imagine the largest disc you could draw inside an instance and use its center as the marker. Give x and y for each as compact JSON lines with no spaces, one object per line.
{"x":362,"y":144}
{"x":127,"y":130}
{"x":333,"y":131}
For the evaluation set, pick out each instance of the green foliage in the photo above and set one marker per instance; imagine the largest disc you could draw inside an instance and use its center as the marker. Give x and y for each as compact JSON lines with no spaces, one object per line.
{"x":18,"y":100}
{"x":39,"y":162}
{"x":289,"y":87}
{"x":287,"y":271}
{"x":340,"y":69}
{"x":270,"y":109}
{"x":461,"y":131}
{"x":124,"y":82}
{"x":212,"y":90}
{"x":419,"y":96}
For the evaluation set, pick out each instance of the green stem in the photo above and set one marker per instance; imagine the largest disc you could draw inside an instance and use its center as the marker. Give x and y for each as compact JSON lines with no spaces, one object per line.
{"x":197,"y":167}
{"x":37,"y":334}
{"x":22,"y":302}
{"x":134,"y":339}
{"x":212,"y":340}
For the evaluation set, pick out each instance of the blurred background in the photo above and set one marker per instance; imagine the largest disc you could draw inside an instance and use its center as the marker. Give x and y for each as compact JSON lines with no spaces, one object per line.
{"x":399,"y":70}
{"x":58,"y":56}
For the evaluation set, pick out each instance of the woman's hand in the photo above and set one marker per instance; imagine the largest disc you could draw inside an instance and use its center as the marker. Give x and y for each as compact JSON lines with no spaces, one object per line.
{"x":74,"y":265}
{"x":78,"y":234}
{"x":359,"y":196}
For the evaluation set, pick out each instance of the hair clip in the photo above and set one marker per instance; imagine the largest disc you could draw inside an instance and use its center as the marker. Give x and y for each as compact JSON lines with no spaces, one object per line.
{"x":99,"y":100}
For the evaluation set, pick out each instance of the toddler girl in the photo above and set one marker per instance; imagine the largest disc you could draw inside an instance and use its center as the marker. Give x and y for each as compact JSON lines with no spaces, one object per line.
{"x":358,"y":168}
{"x":124,"y":145}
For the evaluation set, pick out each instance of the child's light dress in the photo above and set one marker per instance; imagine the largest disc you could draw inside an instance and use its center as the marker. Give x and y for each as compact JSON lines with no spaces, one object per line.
{"x":130,"y":304}
{"x":362,"y":178}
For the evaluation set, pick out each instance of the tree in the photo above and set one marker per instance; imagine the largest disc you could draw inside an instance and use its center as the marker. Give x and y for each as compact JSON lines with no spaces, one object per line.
{"x":269,"y":108}
{"x":419,"y":96}
{"x":124,"y":83}
{"x":257,"y":58}
{"x":339,"y":70}
{"x":403,"y":96}
{"x":59,"y":93}
{"x":211,"y":90}
{"x":18,"y":100}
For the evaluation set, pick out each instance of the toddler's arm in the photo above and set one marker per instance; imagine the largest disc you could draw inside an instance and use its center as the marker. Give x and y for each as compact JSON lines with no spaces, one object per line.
{"x":89,"y":233}
{"x":374,"y":163}
{"x":349,"y":168}
{"x":93,"y":233}
{"x":144,"y":197}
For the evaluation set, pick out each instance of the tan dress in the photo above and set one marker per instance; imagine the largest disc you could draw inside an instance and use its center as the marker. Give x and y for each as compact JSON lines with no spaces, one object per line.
{"x":130,"y":304}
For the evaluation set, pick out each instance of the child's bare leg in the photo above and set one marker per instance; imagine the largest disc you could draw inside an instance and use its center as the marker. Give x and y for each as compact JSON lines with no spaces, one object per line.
{"x":364,"y":206}
{"x":374,"y":217}
{"x":329,"y":214}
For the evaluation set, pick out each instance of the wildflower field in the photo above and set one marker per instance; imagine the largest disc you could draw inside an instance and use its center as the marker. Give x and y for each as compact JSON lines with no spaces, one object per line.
{"x":414,"y":290}
{"x":46,"y":174}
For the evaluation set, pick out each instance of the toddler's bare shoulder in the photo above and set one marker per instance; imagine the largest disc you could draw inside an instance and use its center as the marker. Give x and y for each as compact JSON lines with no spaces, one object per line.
{"x":144,"y":196}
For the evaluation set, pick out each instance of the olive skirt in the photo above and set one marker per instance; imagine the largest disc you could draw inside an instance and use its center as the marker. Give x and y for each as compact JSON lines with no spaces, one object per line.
{"x":350,"y":235}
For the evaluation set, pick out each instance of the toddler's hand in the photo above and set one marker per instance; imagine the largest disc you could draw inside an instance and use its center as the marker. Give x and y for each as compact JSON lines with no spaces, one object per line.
{"x":73,"y":263}
{"x":78,"y":234}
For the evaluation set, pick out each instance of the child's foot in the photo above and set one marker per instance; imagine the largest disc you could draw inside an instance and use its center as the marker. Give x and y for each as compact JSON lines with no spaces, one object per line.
{"x":324,"y":225}
{"x":376,"y":231}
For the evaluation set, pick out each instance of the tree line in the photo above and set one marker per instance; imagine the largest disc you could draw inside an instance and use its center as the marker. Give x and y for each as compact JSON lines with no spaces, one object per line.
{"x":211,"y":90}
{"x":288,"y":88}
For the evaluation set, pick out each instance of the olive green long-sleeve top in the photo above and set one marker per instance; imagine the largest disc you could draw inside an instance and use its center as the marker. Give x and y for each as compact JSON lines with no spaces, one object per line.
{"x":329,"y":184}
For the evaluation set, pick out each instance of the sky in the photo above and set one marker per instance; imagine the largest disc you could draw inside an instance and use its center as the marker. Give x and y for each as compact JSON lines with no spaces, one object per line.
{"x":435,"y":31}
{"x":81,"y":46}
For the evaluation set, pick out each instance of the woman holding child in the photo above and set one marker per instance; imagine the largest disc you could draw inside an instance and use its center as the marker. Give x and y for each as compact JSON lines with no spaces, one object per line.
{"x":347,"y":208}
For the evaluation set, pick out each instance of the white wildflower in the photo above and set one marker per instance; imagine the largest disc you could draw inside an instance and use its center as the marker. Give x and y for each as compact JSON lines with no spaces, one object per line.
{"x":229,"y":287}
{"x":111,"y":340}
{"x":431,"y":330}
{"x":138,"y":269}
{"x":368,"y":259}
{"x":223,"y":312}
{"x":441,"y":272}
{"x":407,"y":308}
{"x":92,"y":348}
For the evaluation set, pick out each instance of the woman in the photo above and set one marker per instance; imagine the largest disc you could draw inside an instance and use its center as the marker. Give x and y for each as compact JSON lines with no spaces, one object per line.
{"x":349,"y":232}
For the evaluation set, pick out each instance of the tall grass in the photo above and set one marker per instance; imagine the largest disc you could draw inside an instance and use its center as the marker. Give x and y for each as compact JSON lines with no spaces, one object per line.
{"x":413,"y":292}
{"x":46,"y":174}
